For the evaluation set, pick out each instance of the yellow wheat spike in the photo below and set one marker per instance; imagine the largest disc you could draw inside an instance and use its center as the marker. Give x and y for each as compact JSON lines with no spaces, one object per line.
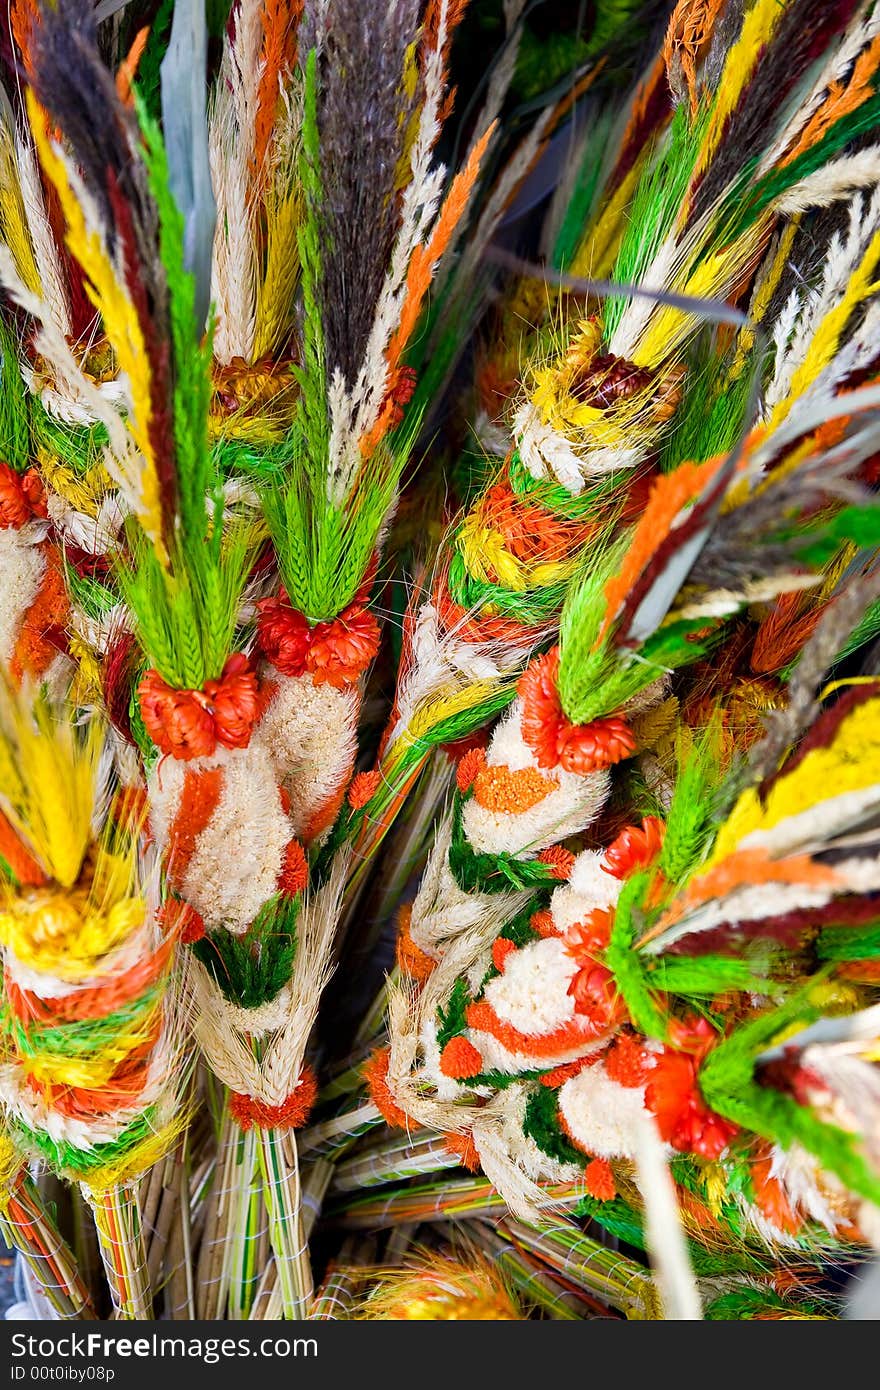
{"x":758,"y":27}
{"x":13,"y":219}
{"x":109,"y":296}
{"x":850,"y":764}
{"x":598,"y":249}
{"x":437,"y":708}
{"x":49,"y":775}
{"x":85,"y":492}
{"x":712,"y":277}
{"x":275,"y":294}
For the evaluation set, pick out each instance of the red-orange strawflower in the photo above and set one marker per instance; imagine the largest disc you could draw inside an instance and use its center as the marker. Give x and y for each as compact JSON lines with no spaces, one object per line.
{"x":596,"y":998}
{"x":554,"y":740}
{"x":599,"y":1180}
{"x":592,"y":988}
{"x":340,"y":651}
{"x":234,"y":701}
{"x":294,"y":870}
{"x":634,"y":848}
{"x":588,"y":748}
{"x":673,"y":1096}
{"x":21,"y":497}
{"x":587,"y":939}
{"x":363,"y":788}
{"x":284,"y":634}
{"x":176,"y":720}
{"x":335,"y":652}
{"x":190,"y":723}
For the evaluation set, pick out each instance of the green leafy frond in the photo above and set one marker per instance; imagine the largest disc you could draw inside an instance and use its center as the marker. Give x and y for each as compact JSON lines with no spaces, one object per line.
{"x":187,"y":614}
{"x":14,"y":424}
{"x":655,"y":206}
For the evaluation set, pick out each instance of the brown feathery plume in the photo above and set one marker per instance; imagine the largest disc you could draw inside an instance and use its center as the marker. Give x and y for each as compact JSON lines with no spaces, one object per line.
{"x":362,"y":108}
{"x":803,"y":31}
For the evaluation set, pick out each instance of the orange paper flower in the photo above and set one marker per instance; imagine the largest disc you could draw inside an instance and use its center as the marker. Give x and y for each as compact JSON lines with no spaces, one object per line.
{"x":21,"y":497}
{"x":634,"y":848}
{"x":190,"y":723}
{"x":553,"y":739}
{"x":342,"y":650}
{"x":234,"y":702}
{"x":674,"y":1097}
{"x":335,"y":652}
{"x":176,"y":720}
{"x":284,"y":634}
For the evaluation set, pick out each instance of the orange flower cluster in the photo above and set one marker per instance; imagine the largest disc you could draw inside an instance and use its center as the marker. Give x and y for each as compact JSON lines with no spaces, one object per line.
{"x":599,"y":1180}
{"x":592,"y":988}
{"x":554,"y":740}
{"x":180,"y":920}
{"x":460,"y":1059}
{"x":363,"y":788}
{"x":294,"y":870}
{"x":191,"y":723}
{"x":375,"y":1073}
{"x":559,"y":860}
{"x":673,"y":1095}
{"x":334,"y":653}
{"x":292,"y":1113}
{"x":22,"y":497}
